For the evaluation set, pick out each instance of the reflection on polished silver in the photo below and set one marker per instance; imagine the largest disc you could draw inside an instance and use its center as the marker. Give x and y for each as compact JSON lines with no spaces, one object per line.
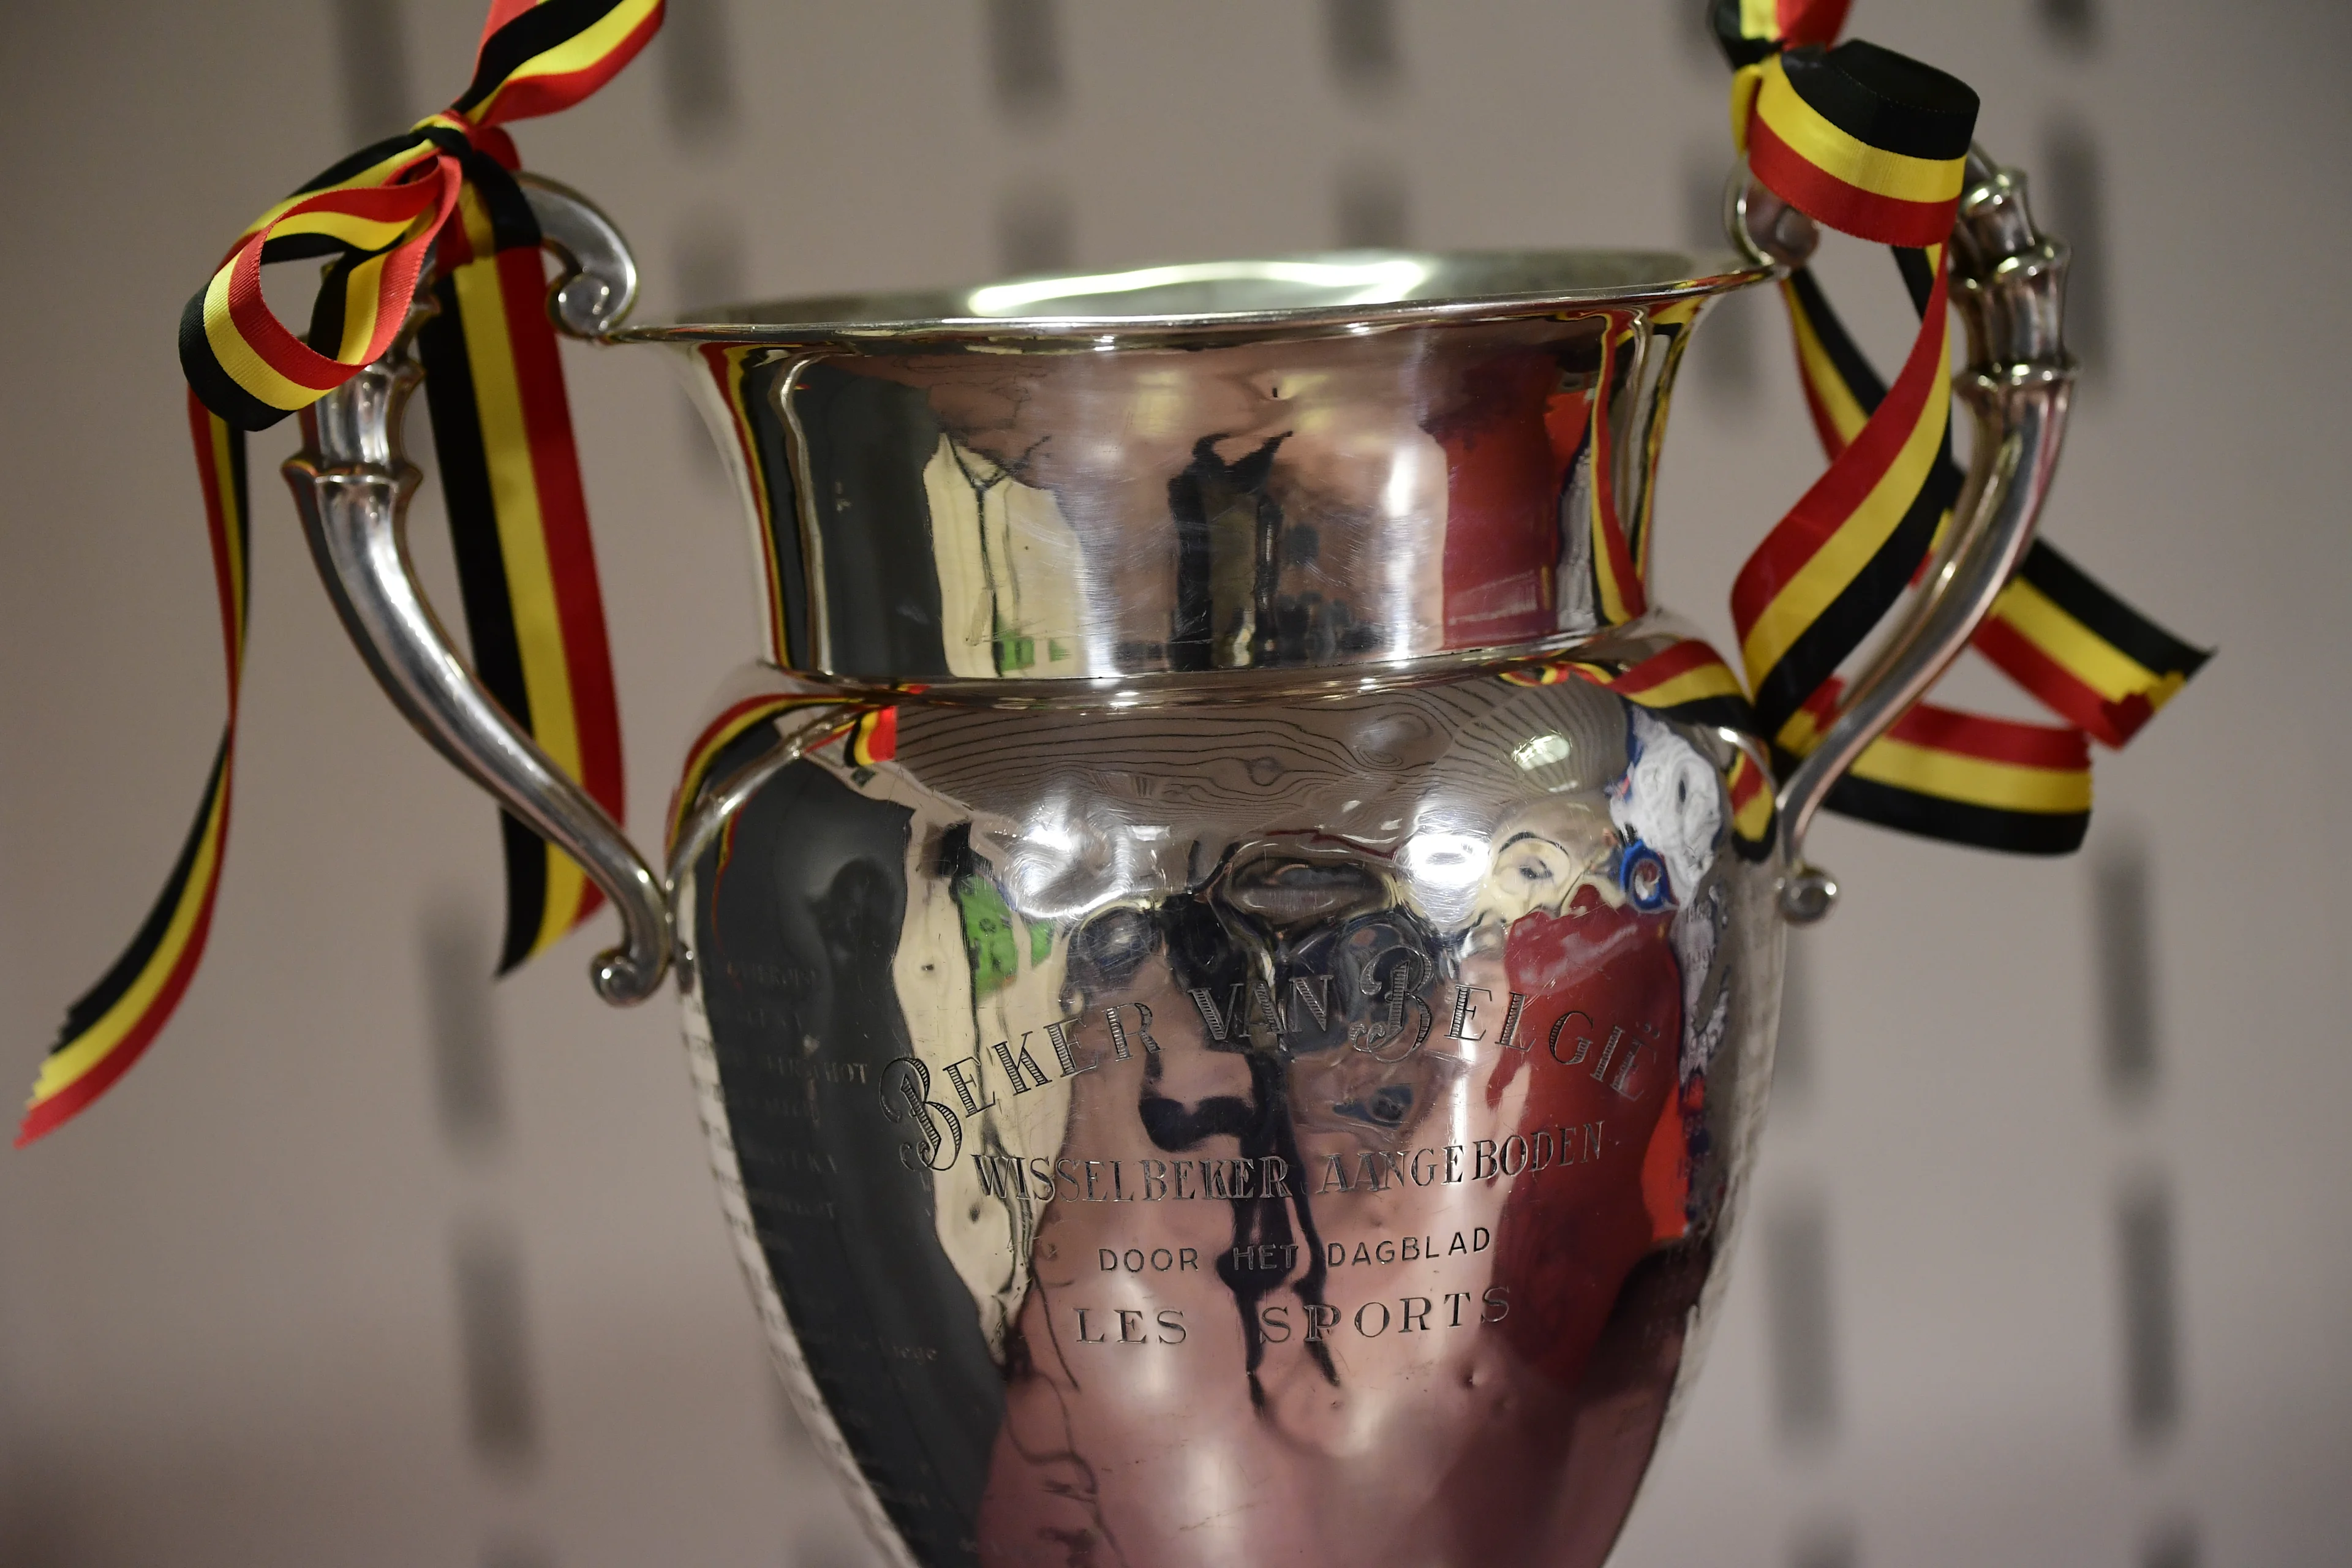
{"x":351,"y":486}
{"x":599,"y":282}
{"x":2008,"y":284}
{"x":721,"y":800}
{"x":1296,"y":1130}
{"x":1767,"y":230}
{"x":1327,"y":463}
{"x":1221,"y":1077}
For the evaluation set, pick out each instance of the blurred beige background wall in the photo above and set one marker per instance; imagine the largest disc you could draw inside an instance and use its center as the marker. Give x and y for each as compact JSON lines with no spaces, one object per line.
{"x":370,"y":1263}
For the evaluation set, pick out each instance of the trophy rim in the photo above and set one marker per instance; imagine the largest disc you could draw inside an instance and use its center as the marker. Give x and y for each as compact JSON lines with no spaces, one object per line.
{"x":1360,"y":290}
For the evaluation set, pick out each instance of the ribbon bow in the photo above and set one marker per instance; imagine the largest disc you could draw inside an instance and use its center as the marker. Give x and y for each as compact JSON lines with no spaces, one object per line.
{"x":444,"y":190}
{"x":1873,"y":144}
{"x":378,"y":211}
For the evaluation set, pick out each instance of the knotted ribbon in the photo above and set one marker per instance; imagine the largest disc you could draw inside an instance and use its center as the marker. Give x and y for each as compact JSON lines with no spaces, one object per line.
{"x":443,"y":193}
{"x":1873,"y":144}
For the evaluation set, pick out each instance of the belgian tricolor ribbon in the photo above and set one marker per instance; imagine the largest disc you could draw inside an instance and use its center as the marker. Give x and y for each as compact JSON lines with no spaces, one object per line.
{"x":442,"y":194}
{"x":1875,"y":145}
{"x":117,"y":1019}
{"x":1686,"y":680}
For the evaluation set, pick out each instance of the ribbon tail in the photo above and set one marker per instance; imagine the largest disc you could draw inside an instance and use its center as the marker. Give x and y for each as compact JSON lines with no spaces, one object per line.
{"x":526,"y":565}
{"x":116,"y":1020}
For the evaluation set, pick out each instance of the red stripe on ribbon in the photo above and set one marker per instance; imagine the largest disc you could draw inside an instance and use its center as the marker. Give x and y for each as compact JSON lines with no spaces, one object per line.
{"x":288,"y":355}
{"x":1814,"y":520}
{"x":1674,"y":663}
{"x":68,"y":1102}
{"x":2010,"y":741}
{"x":1810,"y":21}
{"x":2023,"y":660}
{"x":563,"y":527}
{"x":549,"y":94}
{"x":1820,"y":194}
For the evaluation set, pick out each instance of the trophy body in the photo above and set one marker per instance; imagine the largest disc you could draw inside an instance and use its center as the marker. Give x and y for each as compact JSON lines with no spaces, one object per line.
{"x":1295,"y":1131}
{"x":1253,"y":1075}
{"x":1229,"y":958}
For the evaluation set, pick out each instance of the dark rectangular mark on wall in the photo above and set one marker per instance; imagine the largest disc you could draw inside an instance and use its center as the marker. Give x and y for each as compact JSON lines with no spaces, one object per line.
{"x":1034,"y":230}
{"x":501,"y":1415}
{"x":2071,"y":193}
{"x":2072,"y":25}
{"x":1366,"y":57}
{"x":469,"y":1089}
{"x":1369,"y":210}
{"x":2172,"y":1545}
{"x":708,"y":257}
{"x":518,"y":1555}
{"x":1824,"y":1546}
{"x":2127,"y":1045}
{"x":2151,"y":1312}
{"x":1024,"y":52}
{"x":697,"y":75}
{"x":371,"y":53}
{"x":1797,"y":1305}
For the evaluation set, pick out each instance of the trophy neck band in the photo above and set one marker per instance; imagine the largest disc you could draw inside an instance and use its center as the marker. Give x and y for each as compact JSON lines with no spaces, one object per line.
{"x":1318,"y":464}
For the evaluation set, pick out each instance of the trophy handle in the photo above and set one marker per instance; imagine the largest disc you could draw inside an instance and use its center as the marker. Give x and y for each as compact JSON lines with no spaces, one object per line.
{"x":2009,"y":282}
{"x":351,"y":483}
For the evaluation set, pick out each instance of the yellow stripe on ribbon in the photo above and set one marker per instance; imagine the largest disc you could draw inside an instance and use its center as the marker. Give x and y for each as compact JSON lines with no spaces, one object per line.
{"x":578,"y":53}
{"x":1846,"y":413}
{"x":1975,"y":781}
{"x":1895,"y":175}
{"x":2089,"y":657}
{"x":1713,"y":680}
{"x":241,"y":360}
{"x":1816,"y":585}
{"x":60,"y":1069}
{"x":530,"y":581}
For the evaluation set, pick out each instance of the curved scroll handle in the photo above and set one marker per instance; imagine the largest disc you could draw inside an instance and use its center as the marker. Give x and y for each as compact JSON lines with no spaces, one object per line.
{"x":2008,"y":281}
{"x":352,"y":485}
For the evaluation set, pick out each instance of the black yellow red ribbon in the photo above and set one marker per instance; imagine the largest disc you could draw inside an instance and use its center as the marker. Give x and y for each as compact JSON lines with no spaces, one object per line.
{"x":519,"y":524}
{"x":116,"y":1020}
{"x":1875,"y":145}
{"x":443,"y":193}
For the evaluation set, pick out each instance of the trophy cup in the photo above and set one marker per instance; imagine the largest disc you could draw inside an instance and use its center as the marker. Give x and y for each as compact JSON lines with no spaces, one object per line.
{"x":1213,"y":1051}
{"x":1230,"y":957}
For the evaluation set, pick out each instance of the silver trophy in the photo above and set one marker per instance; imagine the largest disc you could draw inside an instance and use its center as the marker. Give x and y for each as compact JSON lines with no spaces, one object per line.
{"x":1207,"y":1058}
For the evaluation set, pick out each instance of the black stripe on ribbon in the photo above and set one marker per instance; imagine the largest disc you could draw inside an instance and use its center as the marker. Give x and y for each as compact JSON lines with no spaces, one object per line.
{"x":482,"y":583}
{"x":1723,"y":712}
{"x":1841,"y":627}
{"x":1737,"y":48}
{"x":1959,"y":822}
{"x":1860,"y":381}
{"x":101,"y":998}
{"x":1884,"y":100}
{"x":512,"y":222}
{"x":533,"y":34}
{"x":212,"y":385}
{"x":2108,"y":618}
{"x":366,"y":158}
